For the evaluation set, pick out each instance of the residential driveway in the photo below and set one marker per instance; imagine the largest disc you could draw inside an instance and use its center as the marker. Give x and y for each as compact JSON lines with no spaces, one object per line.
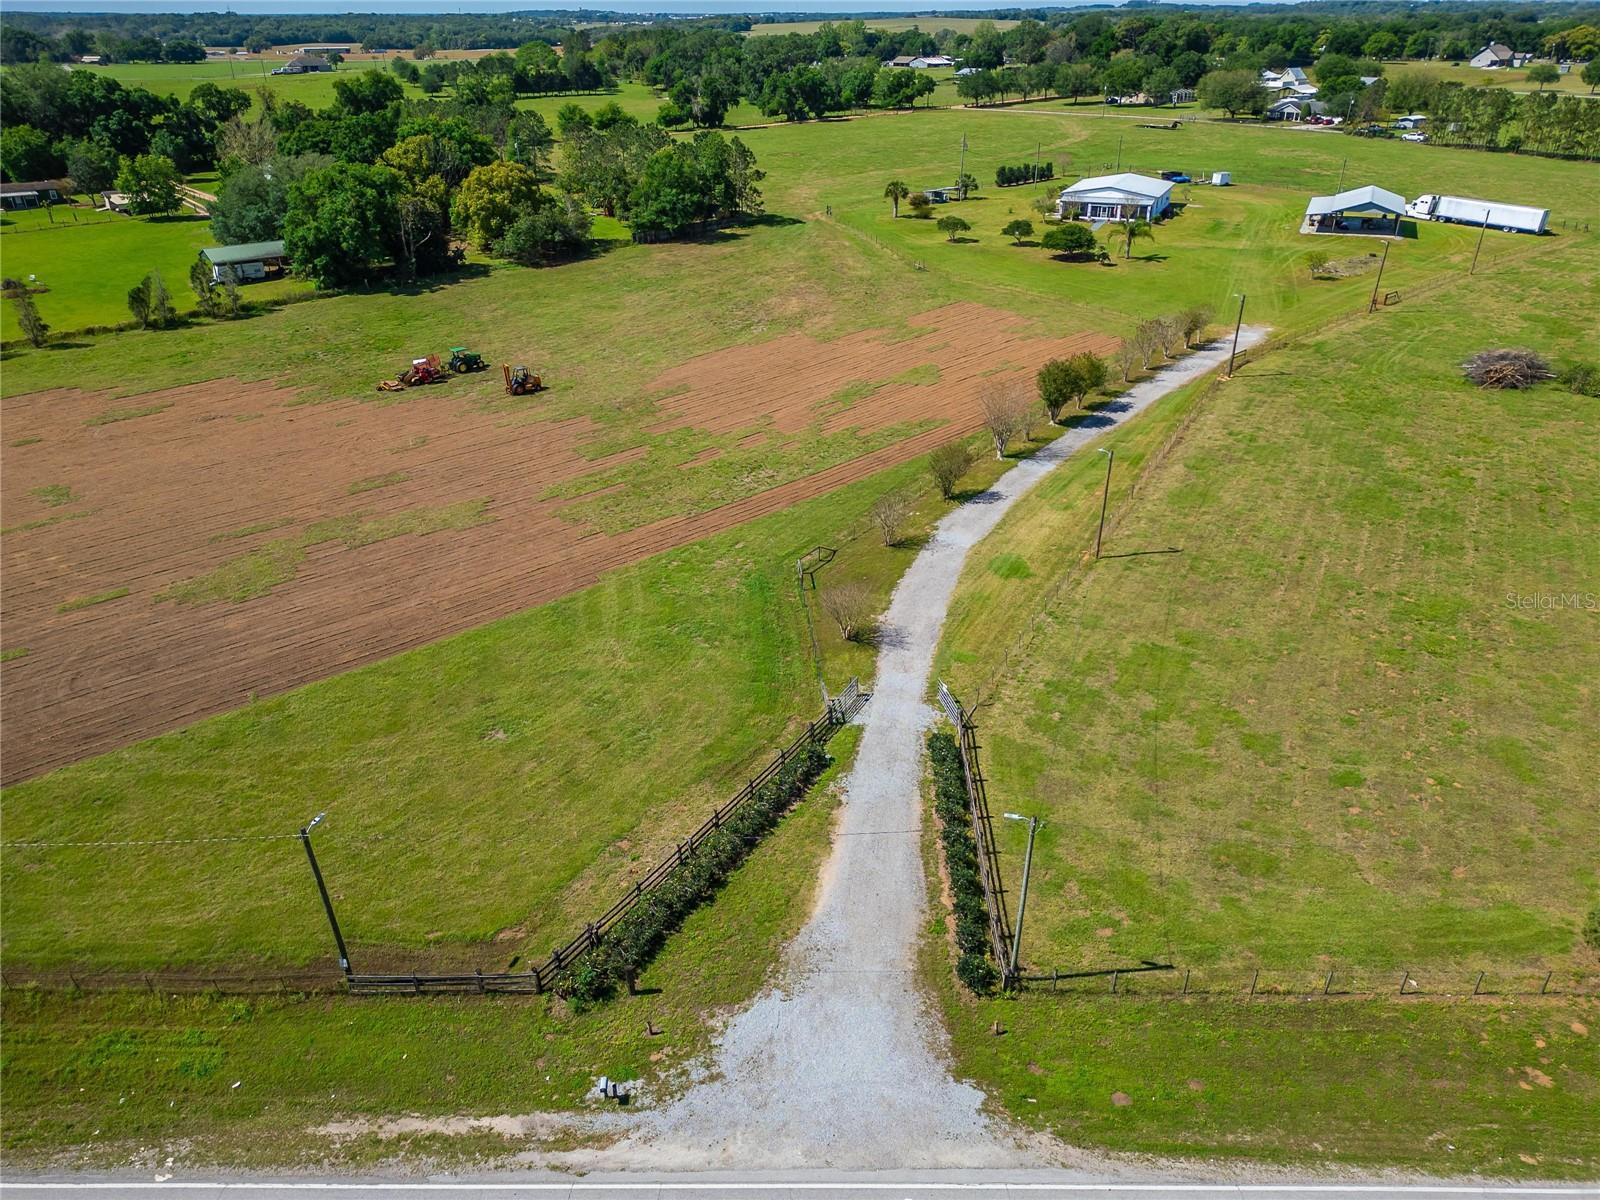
{"x":842,"y":1061}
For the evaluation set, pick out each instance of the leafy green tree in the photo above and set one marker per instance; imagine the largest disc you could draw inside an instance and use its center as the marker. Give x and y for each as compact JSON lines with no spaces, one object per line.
{"x":150,"y":303}
{"x":1233,"y":92}
{"x":966,"y":183}
{"x":572,"y":118}
{"x":422,"y":227}
{"x":1075,"y":80}
{"x":253,"y":200}
{"x":529,"y":140}
{"x":1160,"y":84}
{"x":150,"y":182}
{"x":28,"y":319}
{"x":921,"y":206}
{"x":26,"y":154}
{"x":206,"y":293}
{"x":369,"y":92}
{"x":183,"y":50}
{"x":1017,"y":230}
{"x":1543,"y":73}
{"x":91,"y":165}
{"x":558,"y":228}
{"x":1123,"y":75}
{"x":895,"y":191}
{"x":341,"y":222}
{"x":953,"y":227}
{"x":1381,"y":45}
{"x":1070,"y":240}
{"x":670,"y":194}
{"x":492,"y":198}
{"x":1591,"y":74}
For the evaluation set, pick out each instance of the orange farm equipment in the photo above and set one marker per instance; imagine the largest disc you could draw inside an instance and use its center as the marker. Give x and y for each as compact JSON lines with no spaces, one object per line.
{"x":421,"y":371}
{"x":520,"y":381}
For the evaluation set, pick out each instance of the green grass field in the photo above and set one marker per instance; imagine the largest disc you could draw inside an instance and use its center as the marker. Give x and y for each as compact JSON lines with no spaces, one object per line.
{"x":98,"y":1077}
{"x":513,"y":776}
{"x":179,"y":79}
{"x":1516,"y":80}
{"x":1296,"y":721}
{"x":90,"y":262}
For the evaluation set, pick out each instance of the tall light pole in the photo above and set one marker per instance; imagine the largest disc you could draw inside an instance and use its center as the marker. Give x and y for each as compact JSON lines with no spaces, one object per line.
{"x":322,"y":889}
{"x":1237,"y":325}
{"x":1342,"y":167}
{"x":1105,"y":497}
{"x":1022,"y":903}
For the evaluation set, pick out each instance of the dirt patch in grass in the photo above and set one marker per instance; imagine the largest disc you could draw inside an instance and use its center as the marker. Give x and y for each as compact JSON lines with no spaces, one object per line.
{"x":508,"y":502}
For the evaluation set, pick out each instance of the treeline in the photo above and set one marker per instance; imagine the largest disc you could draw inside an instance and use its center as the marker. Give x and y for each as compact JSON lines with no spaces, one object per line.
{"x":83,"y":124}
{"x":1025,"y":173}
{"x":1496,"y":119}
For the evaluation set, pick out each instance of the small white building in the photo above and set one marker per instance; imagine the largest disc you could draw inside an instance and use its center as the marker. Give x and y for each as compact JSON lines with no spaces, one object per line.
{"x":926,"y":61}
{"x":1411,"y":121}
{"x":1116,"y":198}
{"x":1496,"y":55}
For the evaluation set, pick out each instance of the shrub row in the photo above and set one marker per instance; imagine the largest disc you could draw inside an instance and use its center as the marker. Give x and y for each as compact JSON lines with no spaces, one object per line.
{"x":1026,"y":173}
{"x":974,"y":967}
{"x":630,"y":944}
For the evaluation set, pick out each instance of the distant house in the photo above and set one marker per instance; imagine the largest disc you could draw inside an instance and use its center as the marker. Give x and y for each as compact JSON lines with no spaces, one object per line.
{"x":931,"y":60}
{"x":303,"y":64}
{"x":91,"y":60}
{"x":1116,"y":197}
{"x":1411,"y":121}
{"x":1286,"y":80}
{"x":1371,"y":210}
{"x":968,"y":70}
{"x":14,"y":196}
{"x":1498,"y":54}
{"x":900,"y":60}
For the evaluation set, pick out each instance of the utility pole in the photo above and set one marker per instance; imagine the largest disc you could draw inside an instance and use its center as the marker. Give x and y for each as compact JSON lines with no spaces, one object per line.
{"x":963,"y":170}
{"x":322,"y":889}
{"x":1105,"y":497}
{"x":1342,"y":167}
{"x":1481,"y":231}
{"x":1119,"y":151}
{"x":1237,"y":325}
{"x":1022,"y":902}
{"x":1372,"y":305}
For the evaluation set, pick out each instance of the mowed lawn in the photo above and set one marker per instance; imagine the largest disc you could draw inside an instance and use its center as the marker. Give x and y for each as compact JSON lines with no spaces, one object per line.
{"x":90,"y":263}
{"x":1515,"y":79}
{"x":1318,"y":709}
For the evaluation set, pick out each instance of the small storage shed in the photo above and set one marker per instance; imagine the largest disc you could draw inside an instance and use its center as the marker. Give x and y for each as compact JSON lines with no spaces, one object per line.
{"x":249,"y":261}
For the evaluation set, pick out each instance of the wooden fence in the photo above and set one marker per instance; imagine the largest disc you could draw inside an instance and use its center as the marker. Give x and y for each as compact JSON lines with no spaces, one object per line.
{"x":994,"y":897}
{"x":539,"y":978}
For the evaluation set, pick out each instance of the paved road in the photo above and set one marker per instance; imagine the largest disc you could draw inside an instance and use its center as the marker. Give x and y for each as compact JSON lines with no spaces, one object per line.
{"x":842,"y":1064}
{"x":911,"y":1185}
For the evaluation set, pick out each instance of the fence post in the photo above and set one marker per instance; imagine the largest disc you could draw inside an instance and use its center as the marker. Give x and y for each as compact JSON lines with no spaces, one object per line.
{"x":1477,"y":984}
{"x":1327,"y":983}
{"x":1255,"y":979}
{"x":1543,"y":987}
{"x":1114,"y":975}
{"x":1186,"y":981}
{"x":479,"y":971}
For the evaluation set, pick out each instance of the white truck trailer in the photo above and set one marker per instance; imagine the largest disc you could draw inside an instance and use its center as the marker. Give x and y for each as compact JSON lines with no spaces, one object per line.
{"x":1513,"y":218}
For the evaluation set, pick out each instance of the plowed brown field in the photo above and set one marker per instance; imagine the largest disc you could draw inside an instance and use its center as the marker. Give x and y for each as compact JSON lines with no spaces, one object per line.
{"x":151,"y":494}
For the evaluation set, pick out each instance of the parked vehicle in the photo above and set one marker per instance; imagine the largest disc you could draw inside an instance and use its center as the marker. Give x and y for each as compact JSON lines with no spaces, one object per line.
{"x":1175,"y":177}
{"x":1462,"y":210}
{"x":1413,"y":137}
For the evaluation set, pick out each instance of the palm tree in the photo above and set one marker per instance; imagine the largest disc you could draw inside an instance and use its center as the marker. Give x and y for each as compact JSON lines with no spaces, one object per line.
{"x":1130,"y":229}
{"x":896,"y":191}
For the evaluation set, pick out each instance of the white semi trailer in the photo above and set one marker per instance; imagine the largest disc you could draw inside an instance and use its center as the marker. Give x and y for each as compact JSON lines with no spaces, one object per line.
{"x":1513,"y":218}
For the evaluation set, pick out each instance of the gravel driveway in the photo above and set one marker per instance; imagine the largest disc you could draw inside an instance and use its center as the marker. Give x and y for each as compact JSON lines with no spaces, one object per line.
{"x":842,"y":1061}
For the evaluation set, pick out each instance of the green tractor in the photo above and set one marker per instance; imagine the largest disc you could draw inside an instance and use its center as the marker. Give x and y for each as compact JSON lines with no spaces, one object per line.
{"x":463,"y":360}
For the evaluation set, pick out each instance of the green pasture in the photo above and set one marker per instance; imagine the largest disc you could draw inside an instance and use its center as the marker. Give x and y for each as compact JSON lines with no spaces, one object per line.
{"x":1300,"y":721}
{"x":1515,"y":79}
{"x":94,"y":1078}
{"x":88,"y":260}
{"x":179,"y":79}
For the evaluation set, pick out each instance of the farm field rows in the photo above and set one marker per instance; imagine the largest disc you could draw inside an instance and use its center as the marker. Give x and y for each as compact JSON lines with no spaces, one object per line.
{"x":316,"y":527}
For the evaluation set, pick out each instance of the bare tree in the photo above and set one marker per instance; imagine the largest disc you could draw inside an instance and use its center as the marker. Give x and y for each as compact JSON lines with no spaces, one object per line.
{"x":1170,"y":330}
{"x":1147,"y":340}
{"x":889,"y":512}
{"x":849,"y":606}
{"x":1129,"y":357}
{"x":1506,"y":369}
{"x":947,"y":465}
{"x":1007,"y":408}
{"x":1195,"y":321}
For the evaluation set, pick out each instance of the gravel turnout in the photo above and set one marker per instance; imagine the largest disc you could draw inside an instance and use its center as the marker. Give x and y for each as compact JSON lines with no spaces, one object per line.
{"x":842,"y":1061}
